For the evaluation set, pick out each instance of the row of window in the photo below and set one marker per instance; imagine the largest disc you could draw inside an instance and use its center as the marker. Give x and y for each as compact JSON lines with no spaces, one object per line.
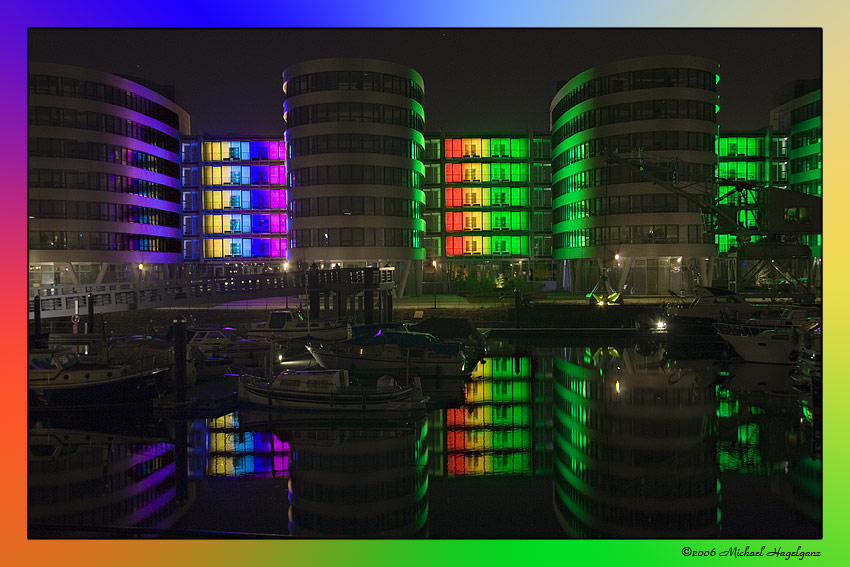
{"x":806,"y":112}
{"x":752,"y":146}
{"x":597,"y":515}
{"x":373,"y":524}
{"x":227,"y":224}
{"x":810,"y":187}
{"x":391,"y":487}
{"x":73,"y":149}
{"x":652,"y":141}
{"x":353,"y":80}
{"x":355,"y":174}
{"x":59,"y":240}
{"x":94,"y":181}
{"x":485,"y":147}
{"x":628,"y":81}
{"x":240,"y":199}
{"x":748,"y":170}
{"x":354,"y":112}
{"x":487,"y":172}
{"x":321,"y":238}
{"x":489,"y":197}
{"x":355,"y":143}
{"x":239,"y":248}
{"x":501,"y":220}
{"x":637,"y":234}
{"x":87,"y":210}
{"x":380,"y":206}
{"x":806,"y":163}
{"x":643,"y":110}
{"x":612,"y":175}
{"x":252,"y":150}
{"x":66,"y":86}
{"x":70,"y":118}
{"x":806,"y":138}
{"x":237,"y":175}
{"x":487,"y":245}
{"x":625,"y":205}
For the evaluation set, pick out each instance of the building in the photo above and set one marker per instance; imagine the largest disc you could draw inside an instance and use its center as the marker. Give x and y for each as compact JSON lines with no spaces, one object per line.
{"x":488,"y":207}
{"x":799,"y":112}
{"x":103,"y":189}
{"x":633,"y":156}
{"x":354,"y":164}
{"x":234,"y":205}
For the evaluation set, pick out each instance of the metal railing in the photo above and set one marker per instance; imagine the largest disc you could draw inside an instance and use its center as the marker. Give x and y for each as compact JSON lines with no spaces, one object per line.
{"x":65,"y":301}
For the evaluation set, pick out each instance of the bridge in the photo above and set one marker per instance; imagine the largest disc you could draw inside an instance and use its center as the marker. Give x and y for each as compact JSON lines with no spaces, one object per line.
{"x":349,"y":288}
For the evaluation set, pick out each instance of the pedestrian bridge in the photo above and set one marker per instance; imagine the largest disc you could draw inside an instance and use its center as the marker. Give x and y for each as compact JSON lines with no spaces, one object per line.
{"x":65,"y":301}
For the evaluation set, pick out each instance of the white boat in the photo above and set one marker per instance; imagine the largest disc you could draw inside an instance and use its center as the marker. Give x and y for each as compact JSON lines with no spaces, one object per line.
{"x":392,"y":352}
{"x":59,"y":377}
{"x":755,"y":343}
{"x":764,"y":340}
{"x":288,"y":324}
{"x":329,"y":391}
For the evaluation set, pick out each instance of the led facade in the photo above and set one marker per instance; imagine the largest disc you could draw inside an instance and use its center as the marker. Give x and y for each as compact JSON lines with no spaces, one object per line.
{"x":354,"y":164}
{"x":235,"y":203}
{"x":488,"y":205}
{"x":103,"y":193}
{"x":608,"y":218}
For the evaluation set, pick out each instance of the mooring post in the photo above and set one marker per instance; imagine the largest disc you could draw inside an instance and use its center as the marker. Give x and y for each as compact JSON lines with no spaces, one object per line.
{"x":180,"y":374}
{"x":36,"y":320}
{"x":517,"y":305}
{"x":90,"y":303}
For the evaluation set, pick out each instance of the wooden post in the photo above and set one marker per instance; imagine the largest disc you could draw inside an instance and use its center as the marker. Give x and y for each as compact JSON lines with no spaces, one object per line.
{"x":179,"y":369}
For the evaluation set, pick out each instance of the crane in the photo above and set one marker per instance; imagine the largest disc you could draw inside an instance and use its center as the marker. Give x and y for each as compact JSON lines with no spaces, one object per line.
{"x":718,"y":219}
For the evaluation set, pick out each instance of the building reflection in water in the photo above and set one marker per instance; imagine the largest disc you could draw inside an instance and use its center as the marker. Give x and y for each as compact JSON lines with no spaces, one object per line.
{"x":634,"y":446}
{"x":224,"y":447}
{"x":504,"y":425}
{"x":84,"y":483}
{"x":763,"y":434}
{"x":358,"y":479}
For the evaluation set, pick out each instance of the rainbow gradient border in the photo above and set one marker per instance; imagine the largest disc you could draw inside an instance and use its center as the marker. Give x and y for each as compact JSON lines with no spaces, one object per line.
{"x":387,"y":13}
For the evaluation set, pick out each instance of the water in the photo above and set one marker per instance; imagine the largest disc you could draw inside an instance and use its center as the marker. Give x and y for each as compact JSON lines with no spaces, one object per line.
{"x":550,"y":438}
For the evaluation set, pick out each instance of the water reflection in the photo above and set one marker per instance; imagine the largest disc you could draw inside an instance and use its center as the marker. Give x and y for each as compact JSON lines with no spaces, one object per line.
{"x":592,"y":442}
{"x":634,"y":447}
{"x":90,"y":483}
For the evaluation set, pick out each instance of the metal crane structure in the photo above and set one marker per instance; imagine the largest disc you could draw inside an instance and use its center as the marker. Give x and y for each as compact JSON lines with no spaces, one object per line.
{"x":777,"y":263}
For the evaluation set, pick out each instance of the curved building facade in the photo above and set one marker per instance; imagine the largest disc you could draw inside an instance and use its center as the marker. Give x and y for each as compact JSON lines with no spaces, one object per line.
{"x":354,"y":147}
{"x":610,"y":124}
{"x":103,"y":190}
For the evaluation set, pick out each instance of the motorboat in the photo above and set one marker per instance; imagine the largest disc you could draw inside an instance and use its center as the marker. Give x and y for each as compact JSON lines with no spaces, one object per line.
{"x":60,"y":377}
{"x":388,"y":352}
{"x":764,"y":340}
{"x":288,"y":324}
{"x":330,"y":390}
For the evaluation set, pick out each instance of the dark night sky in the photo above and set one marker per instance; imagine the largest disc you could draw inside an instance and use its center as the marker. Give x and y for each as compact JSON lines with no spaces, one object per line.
{"x":229,"y":80}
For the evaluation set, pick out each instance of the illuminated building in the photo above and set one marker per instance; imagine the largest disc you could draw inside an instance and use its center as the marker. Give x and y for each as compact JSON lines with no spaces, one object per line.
{"x":488,"y":205}
{"x":634,"y":447}
{"x":799,"y":112}
{"x":354,"y":163}
{"x":760,"y":158}
{"x":103,"y":189}
{"x":234,"y":203}
{"x":608,"y":218}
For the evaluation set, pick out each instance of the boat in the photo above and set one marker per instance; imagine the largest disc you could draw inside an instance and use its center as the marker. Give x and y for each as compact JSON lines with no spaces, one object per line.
{"x":388,"y":352}
{"x":769,"y":341}
{"x":458,"y":329}
{"x":288,"y":324}
{"x":329,"y":390}
{"x":59,"y":377}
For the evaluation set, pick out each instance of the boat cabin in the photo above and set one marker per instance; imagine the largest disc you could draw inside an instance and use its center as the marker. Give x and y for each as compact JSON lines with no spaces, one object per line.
{"x":312,"y":381}
{"x":47,"y":359}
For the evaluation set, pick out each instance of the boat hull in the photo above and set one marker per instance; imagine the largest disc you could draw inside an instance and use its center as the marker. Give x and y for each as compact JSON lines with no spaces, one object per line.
{"x":99,"y":389}
{"x":259,"y":392}
{"x":383,"y":362}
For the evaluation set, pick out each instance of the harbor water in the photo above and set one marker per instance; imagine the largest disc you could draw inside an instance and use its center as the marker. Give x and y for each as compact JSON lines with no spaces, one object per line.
{"x":554,"y":435}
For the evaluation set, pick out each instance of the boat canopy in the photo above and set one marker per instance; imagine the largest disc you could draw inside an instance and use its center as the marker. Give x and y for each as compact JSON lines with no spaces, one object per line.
{"x":422,"y":341}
